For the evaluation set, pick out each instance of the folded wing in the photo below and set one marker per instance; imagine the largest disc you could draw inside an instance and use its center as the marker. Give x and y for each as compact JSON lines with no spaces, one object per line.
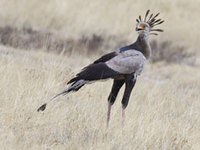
{"x":112,"y":65}
{"x":127,"y":62}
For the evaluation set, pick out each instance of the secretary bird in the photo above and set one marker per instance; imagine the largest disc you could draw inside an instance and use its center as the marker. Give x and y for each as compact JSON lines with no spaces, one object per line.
{"x":123,"y":66}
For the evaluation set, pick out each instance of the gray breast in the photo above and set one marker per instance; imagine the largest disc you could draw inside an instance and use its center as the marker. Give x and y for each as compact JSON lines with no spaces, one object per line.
{"x":127,"y":62}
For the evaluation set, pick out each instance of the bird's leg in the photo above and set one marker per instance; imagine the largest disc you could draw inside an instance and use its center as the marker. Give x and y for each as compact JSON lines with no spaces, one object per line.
{"x":129,"y":84}
{"x":123,"y":116}
{"x":108,"y":114}
{"x":117,"y":84}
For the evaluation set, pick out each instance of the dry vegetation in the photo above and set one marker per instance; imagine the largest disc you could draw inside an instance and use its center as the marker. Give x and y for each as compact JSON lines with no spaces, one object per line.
{"x":164,"y":108}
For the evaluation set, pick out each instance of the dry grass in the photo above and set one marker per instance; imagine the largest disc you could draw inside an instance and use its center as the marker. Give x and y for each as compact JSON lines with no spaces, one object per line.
{"x":163,"y":112}
{"x":29,"y":39}
{"x":114,"y":17}
{"x":164,"y":108}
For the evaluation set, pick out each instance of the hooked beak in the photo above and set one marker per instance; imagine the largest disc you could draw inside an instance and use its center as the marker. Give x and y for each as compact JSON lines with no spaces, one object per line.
{"x":138,"y":28}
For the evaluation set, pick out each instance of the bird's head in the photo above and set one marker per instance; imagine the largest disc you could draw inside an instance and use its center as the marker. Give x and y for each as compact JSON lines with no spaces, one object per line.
{"x":148,"y":24}
{"x":142,"y":26}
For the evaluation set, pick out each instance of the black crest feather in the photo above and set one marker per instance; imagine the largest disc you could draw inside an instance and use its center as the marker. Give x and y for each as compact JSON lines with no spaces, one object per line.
{"x":151,"y":20}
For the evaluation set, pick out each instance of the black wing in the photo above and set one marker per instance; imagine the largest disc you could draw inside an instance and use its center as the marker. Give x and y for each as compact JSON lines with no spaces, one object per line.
{"x":105,"y":57}
{"x":97,"y":70}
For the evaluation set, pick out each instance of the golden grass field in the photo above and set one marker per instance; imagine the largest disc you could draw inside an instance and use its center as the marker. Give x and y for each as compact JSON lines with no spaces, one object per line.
{"x":164,"y":109}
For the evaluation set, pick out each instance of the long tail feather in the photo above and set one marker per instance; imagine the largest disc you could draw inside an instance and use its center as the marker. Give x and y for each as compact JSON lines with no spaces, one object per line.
{"x":73,"y":87}
{"x":43,"y":107}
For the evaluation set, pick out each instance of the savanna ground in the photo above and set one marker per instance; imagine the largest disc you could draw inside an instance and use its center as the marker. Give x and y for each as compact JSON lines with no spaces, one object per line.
{"x":45,"y":43}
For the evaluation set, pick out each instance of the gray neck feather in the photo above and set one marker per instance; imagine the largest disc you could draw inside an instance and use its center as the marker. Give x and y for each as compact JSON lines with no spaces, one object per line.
{"x":141,"y":44}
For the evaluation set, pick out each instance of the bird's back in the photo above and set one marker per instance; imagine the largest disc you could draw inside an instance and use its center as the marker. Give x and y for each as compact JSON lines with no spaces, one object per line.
{"x":127,"y":62}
